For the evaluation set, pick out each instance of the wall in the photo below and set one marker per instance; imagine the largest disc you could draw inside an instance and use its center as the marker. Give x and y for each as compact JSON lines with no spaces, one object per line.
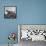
{"x":28,"y":12}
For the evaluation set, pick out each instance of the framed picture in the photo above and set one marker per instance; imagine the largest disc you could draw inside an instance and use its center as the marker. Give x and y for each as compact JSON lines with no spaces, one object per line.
{"x":32,"y":32}
{"x":10,"y":12}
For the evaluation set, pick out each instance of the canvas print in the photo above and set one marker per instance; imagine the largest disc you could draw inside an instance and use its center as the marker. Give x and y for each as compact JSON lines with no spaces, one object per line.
{"x":10,"y":12}
{"x":33,"y":32}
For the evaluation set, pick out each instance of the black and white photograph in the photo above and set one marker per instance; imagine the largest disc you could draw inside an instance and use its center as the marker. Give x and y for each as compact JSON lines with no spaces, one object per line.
{"x":10,"y":12}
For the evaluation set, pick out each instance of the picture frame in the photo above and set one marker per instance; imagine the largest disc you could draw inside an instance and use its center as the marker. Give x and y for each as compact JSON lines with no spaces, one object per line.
{"x":10,"y":12}
{"x":34,"y":30}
